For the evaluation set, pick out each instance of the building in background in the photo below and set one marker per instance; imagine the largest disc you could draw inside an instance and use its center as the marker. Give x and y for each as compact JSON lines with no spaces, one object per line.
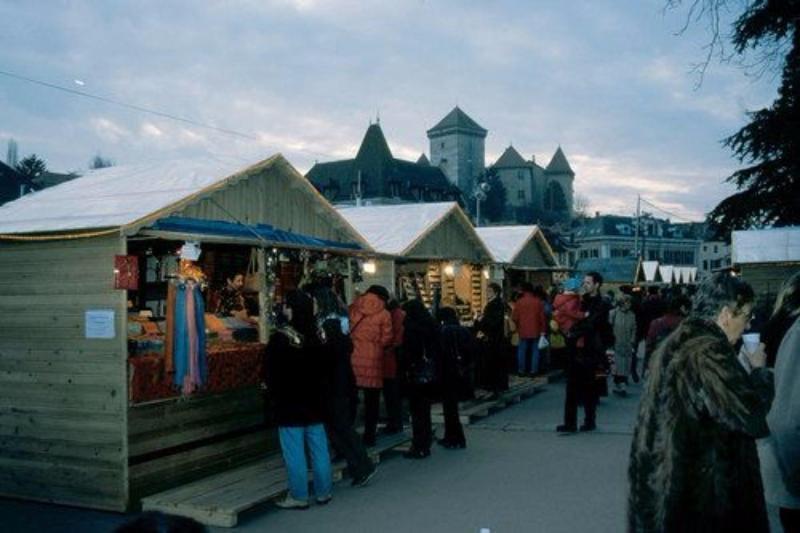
{"x":457,"y":146}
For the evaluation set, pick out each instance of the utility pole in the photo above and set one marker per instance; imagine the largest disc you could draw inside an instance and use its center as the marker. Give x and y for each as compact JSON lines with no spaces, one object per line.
{"x":638,"y":214}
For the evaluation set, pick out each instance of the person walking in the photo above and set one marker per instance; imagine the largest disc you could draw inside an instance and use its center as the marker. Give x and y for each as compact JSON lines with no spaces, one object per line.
{"x":491,"y":327}
{"x":457,"y":357}
{"x":421,"y":366}
{"x":340,"y":386}
{"x":623,"y":322}
{"x":529,"y":319}
{"x":294,"y":379}
{"x":371,"y":333}
{"x":780,"y":452}
{"x":392,"y":396}
{"x":693,"y":462}
{"x":588,"y":339}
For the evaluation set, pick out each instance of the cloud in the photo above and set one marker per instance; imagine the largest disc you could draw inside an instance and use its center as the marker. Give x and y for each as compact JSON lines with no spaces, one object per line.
{"x":109,"y":130}
{"x":149,"y":129}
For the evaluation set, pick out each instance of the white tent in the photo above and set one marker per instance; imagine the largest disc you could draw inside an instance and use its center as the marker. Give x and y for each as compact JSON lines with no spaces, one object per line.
{"x":507,"y":244}
{"x":650,"y":269}
{"x":667,"y":273}
{"x":776,"y":245}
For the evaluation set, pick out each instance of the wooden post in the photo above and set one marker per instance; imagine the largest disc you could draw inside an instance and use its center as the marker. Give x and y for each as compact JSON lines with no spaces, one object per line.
{"x":263,"y":327}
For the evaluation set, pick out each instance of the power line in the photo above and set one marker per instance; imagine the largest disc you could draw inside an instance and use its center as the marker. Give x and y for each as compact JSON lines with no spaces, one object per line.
{"x":127,"y":105}
{"x":679,"y":217}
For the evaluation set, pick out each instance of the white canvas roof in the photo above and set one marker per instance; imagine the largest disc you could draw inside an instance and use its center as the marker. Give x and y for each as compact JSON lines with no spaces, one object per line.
{"x":114,"y":196}
{"x":666,"y":272}
{"x":393,"y":229}
{"x":650,"y":269}
{"x":506,"y":242}
{"x":775,"y":245}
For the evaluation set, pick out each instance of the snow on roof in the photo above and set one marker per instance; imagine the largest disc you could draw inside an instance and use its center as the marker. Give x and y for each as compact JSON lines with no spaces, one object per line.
{"x":774,"y":245}
{"x":114,"y":196}
{"x":392,"y":229}
{"x":506,"y":242}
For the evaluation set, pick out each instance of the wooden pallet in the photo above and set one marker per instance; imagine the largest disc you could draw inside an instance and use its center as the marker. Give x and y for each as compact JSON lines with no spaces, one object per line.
{"x":468,"y":412}
{"x":219,"y":500}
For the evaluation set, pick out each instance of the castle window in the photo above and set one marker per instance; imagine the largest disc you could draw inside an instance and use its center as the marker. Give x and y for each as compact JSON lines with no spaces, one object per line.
{"x":521,"y":194}
{"x":554,"y":199}
{"x":442,"y":145}
{"x":519,"y":175}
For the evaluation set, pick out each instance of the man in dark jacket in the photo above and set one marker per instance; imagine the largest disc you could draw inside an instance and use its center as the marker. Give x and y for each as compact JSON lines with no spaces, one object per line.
{"x":491,"y":325}
{"x":693,"y":464}
{"x":588,"y":340}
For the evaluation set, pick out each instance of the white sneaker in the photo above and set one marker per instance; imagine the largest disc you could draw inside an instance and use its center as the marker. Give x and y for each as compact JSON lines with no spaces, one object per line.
{"x":325,"y":500}
{"x":290,"y":503}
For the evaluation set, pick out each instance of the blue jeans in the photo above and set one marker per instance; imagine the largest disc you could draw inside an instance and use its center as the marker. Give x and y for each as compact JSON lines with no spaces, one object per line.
{"x":523,"y":347}
{"x":293,"y":441}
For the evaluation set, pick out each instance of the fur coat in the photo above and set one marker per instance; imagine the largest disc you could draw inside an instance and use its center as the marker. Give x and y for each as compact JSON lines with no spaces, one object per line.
{"x":694,"y":465}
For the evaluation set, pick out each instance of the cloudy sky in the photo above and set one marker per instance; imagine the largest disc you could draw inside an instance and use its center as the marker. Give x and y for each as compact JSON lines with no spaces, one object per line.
{"x":608,"y":80}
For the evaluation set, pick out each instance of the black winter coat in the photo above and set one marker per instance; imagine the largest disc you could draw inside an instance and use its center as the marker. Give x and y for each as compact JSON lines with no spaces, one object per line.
{"x":420,"y":340}
{"x":693,"y":464}
{"x":294,"y":375}
{"x":492,"y":324}
{"x":339,"y":381}
{"x":458,"y":361}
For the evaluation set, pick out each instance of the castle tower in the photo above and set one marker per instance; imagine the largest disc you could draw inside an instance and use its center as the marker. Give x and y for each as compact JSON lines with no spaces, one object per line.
{"x":457,"y":147}
{"x":558,"y":186}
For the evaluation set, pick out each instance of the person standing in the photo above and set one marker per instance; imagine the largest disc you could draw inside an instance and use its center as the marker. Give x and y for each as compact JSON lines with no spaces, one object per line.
{"x":457,"y":357}
{"x":566,"y":312}
{"x":661,"y":327}
{"x":421,"y":366}
{"x":392,"y":396}
{"x":491,"y":326}
{"x":295,"y":382}
{"x":780,"y":452}
{"x":529,"y":319}
{"x":371,"y":333}
{"x":340,"y":386}
{"x":623,"y":323}
{"x":693,"y":462}
{"x":591,"y":336}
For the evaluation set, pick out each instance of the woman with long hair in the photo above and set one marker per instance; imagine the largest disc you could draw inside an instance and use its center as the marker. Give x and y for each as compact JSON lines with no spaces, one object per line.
{"x":420,"y":362}
{"x":294,"y":380}
{"x":780,"y":452}
{"x":457,"y":349}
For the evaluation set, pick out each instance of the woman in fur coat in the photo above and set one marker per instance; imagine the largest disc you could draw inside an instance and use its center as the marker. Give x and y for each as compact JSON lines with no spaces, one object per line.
{"x":693,"y":464}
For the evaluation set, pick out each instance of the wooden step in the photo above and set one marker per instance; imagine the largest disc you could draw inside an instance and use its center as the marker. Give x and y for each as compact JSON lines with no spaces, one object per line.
{"x":469,"y":412}
{"x":219,"y":500}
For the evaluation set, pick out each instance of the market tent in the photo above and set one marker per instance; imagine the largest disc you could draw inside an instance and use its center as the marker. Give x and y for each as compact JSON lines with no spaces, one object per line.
{"x":418,"y":231}
{"x":667,"y":273}
{"x":518,"y":246}
{"x":70,"y":378}
{"x":651,"y":273}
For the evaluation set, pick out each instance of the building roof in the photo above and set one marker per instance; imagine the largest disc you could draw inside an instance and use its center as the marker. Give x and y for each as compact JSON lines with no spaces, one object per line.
{"x":377,"y":168}
{"x":775,"y":245}
{"x":396,"y":229}
{"x":128,"y":198}
{"x":10,"y":182}
{"x":424,"y":161}
{"x":511,"y":159}
{"x":559,"y":164}
{"x":457,"y":121}
{"x":507,"y":242}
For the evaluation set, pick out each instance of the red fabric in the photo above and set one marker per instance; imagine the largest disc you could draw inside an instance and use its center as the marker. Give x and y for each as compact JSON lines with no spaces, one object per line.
{"x":126,"y":272}
{"x":230,"y":366}
{"x":371,"y":333}
{"x":528,"y":316}
{"x":390,"y":355}
{"x":567,"y":311}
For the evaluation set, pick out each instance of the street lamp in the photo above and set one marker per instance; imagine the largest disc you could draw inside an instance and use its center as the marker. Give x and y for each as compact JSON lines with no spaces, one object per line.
{"x":479,"y":193}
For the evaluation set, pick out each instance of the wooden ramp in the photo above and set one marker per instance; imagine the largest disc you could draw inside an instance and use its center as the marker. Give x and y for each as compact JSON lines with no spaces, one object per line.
{"x":519,"y":388}
{"x":219,"y":500}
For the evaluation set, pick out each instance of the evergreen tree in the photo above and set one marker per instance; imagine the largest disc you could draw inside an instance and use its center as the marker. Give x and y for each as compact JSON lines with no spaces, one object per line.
{"x":100,"y":162}
{"x":32,"y":166}
{"x":769,"y":188}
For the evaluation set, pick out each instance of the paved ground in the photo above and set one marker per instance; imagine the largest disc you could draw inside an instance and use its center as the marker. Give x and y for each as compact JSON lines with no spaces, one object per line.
{"x":515,"y":475}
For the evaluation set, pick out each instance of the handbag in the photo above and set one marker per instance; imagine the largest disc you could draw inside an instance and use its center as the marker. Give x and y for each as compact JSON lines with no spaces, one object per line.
{"x":252,"y":279}
{"x":543,"y":342}
{"x":423,"y":370}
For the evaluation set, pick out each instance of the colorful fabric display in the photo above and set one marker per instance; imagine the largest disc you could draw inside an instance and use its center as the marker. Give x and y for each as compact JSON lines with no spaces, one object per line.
{"x":189,"y":354}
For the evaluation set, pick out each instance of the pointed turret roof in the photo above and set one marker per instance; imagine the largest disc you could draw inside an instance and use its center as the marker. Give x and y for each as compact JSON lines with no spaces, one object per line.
{"x":374,"y":146}
{"x":510,"y":159}
{"x":424,"y":161}
{"x":457,"y":121}
{"x":559,"y":164}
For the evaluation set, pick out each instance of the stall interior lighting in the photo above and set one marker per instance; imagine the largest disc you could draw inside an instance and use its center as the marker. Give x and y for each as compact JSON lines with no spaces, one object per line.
{"x":486,"y":273}
{"x":450,"y":270}
{"x":369,"y":267}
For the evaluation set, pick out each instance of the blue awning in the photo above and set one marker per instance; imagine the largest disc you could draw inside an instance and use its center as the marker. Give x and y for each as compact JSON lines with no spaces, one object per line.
{"x":272,"y":235}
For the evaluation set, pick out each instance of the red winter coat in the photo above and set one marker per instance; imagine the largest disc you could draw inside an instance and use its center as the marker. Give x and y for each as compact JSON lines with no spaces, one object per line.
{"x":371,"y":333}
{"x":567,"y":310}
{"x":390,"y":356}
{"x":528,"y":316}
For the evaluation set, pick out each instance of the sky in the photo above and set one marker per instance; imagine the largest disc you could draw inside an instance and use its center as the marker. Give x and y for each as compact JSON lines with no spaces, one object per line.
{"x":610,"y":81}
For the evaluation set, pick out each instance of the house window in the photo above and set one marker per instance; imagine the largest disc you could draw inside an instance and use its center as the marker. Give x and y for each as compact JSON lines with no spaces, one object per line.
{"x":705,"y":265}
{"x":521,"y":195}
{"x":442,"y":145}
{"x":716,"y":249}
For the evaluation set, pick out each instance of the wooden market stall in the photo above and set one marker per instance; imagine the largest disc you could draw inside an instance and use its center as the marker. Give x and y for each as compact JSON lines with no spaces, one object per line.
{"x":427,"y":248}
{"x":766,"y":259}
{"x":85,"y":417}
{"x":521,"y":254}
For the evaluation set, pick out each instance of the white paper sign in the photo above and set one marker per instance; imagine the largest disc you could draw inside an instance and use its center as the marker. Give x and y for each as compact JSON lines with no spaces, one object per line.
{"x":100,"y":324}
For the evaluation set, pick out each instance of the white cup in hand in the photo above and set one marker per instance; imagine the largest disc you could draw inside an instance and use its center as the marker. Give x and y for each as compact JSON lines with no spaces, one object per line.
{"x":751,"y":341}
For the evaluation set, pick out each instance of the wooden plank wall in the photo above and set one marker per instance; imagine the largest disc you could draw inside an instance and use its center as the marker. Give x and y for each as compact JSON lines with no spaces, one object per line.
{"x":176,"y":441}
{"x":449,"y":240}
{"x":62,"y":396}
{"x":767,"y":279}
